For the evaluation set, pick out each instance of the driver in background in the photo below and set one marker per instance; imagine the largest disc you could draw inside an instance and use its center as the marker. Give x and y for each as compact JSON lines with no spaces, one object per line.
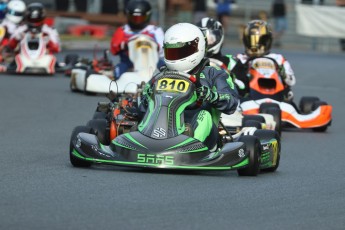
{"x":185,"y":51}
{"x":214,"y":33}
{"x":257,"y":40}
{"x":138,"y":16}
{"x":14,"y":15}
{"x":34,"y":22}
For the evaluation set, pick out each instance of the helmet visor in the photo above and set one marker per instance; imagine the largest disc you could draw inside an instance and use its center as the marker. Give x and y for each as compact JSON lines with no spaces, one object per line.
{"x":36,"y":20}
{"x":252,"y":41}
{"x":180,"y":50}
{"x":15,"y":13}
{"x":211,"y":38}
{"x":138,"y":19}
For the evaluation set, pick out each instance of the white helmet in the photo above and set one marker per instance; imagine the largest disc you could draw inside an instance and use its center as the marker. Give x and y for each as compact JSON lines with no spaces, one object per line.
{"x":15,"y":11}
{"x":184,"y":47}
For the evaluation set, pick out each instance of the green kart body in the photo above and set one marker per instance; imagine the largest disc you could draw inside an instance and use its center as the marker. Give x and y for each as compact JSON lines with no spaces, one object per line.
{"x":160,"y":140}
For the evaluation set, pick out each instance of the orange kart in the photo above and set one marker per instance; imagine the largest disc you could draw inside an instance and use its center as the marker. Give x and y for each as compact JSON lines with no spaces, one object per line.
{"x":267,"y":96}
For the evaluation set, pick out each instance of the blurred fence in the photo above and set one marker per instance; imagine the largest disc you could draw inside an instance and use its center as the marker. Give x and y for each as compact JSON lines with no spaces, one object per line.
{"x":245,"y":10}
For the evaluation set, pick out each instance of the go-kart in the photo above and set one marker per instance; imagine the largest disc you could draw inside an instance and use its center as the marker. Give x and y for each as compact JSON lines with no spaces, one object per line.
{"x":236,"y":121}
{"x":143,"y":52}
{"x":32,"y":57}
{"x":162,"y":140}
{"x":267,"y":93}
{"x":101,"y":65}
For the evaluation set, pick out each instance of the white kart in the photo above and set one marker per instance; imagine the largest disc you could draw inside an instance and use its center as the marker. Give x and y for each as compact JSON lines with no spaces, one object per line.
{"x":33,"y":56}
{"x":143,"y":52}
{"x":236,"y":122}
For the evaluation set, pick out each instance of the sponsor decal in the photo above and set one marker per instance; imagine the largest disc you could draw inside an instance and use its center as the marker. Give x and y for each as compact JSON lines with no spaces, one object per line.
{"x":224,"y":97}
{"x":159,"y":132}
{"x":156,"y":159}
{"x":201,"y":116}
{"x":275,"y":151}
{"x":96,"y":149}
{"x":266,"y":147}
{"x":264,"y":65}
{"x":275,"y":146}
{"x":241,"y":153}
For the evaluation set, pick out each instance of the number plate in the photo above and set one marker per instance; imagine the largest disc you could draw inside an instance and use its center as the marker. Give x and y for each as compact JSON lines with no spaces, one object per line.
{"x":172,"y":85}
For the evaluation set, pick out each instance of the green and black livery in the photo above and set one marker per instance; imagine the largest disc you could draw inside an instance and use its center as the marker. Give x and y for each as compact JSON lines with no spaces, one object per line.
{"x":161,"y":140}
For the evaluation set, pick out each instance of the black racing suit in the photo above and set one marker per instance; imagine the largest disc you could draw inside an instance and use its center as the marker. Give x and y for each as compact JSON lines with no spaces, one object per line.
{"x":234,"y":68}
{"x":204,"y":119}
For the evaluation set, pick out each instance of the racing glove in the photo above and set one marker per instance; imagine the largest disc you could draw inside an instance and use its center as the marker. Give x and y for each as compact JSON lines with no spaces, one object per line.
{"x":147,"y":90}
{"x":290,"y":80}
{"x":206,"y":94}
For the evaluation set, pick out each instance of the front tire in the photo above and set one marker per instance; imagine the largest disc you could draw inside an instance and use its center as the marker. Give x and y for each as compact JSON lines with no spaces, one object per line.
{"x":100,"y":128}
{"x":87,"y":74}
{"x":253,"y":147}
{"x":267,"y":136}
{"x":76,"y":161}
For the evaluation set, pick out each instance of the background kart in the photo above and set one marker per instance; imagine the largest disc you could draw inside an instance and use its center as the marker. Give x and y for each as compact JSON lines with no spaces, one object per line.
{"x":237,"y":120}
{"x":101,"y":65}
{"x":113,"y":137}
{"x":267,"y":95}
{"x":33,"y":57}
{"x":143,"y":52}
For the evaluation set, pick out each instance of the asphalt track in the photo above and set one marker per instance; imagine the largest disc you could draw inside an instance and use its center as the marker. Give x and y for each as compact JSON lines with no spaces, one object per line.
{"x":39,"y":189}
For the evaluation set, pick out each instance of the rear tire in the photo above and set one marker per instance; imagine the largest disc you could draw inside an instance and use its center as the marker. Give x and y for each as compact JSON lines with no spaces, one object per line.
{"x":71,"y":59}
{"x":253,"y":147}
{"x":75,"y":161}
{"x":316,"y":104}
{"x":87,"y":74}
{"x":99,"y":115}
{"x":320,"y":129}
{"x":306,"y":104}
{"x":274,"y":110}
{"x":264,"y":106}
{"x":73,"y":88}
{"x":258,"y":118}
{"x":252,"y":123}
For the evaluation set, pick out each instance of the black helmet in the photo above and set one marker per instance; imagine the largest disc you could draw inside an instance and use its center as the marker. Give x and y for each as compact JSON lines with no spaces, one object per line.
{"x":35,"y":15}
{"x":214,"y":33}
{"x":138,"y":13}
{"x":257,"y":38}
